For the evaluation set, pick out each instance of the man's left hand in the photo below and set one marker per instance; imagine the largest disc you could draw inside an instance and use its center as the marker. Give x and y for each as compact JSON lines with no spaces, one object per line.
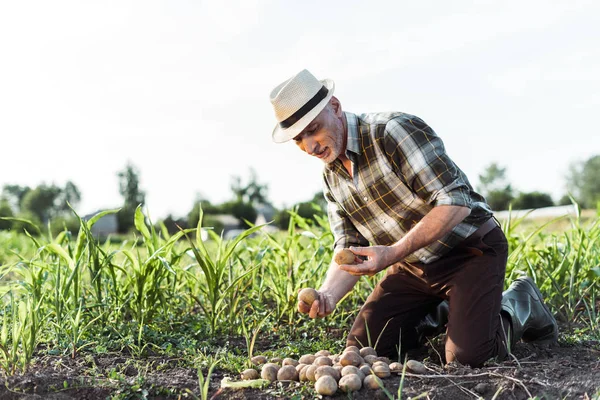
{"x":378,"y":259}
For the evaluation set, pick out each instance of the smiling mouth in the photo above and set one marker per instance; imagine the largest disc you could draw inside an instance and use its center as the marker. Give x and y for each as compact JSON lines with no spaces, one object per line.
{"x":322,"y":153}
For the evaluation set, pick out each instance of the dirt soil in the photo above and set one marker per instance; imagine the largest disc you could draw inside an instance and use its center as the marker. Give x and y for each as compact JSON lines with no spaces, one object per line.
{"x":562,"y":372}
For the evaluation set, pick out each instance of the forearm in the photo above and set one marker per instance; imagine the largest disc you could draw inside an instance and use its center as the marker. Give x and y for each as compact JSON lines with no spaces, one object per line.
{"x":435,"y":225}
{"x":337,"y":282}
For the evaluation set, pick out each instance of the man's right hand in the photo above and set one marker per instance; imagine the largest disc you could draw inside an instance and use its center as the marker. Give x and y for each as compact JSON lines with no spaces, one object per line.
{"x":321,"y":307}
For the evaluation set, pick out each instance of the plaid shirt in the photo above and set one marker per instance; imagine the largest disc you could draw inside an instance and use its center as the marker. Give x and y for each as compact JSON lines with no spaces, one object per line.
{"x":401,"y":171}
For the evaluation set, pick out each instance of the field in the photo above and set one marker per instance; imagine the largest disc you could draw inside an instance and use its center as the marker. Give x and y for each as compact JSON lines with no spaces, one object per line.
{"x":165,"y":316}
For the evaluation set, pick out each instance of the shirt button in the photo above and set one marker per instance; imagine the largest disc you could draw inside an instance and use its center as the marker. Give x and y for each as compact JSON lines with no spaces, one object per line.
{"x":366,"y":198}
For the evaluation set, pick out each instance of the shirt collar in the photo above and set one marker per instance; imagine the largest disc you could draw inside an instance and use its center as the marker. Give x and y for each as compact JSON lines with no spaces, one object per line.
{"x":353,"y":140}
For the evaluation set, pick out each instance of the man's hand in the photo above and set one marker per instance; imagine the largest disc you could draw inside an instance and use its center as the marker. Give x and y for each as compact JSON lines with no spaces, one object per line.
{"x":321,"y":307}
{"x":378,"y":259}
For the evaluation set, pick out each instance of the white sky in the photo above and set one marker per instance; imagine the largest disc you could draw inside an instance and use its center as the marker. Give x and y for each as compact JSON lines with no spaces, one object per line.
{"x":181,"y":89}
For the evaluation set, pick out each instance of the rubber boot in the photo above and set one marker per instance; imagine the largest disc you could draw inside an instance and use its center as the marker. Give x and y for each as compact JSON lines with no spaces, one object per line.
{"x":530,"y":319}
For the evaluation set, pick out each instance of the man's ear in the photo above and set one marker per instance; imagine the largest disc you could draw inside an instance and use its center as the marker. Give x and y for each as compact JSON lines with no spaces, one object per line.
{"x":336,"y":106}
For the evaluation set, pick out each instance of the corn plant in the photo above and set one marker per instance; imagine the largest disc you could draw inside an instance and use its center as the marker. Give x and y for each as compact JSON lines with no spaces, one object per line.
{"x":19,"y":335}
{"x":217,"y":282}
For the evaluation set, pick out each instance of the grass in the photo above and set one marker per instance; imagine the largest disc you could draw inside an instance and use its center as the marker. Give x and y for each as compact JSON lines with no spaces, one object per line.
{"x":200,"y":301}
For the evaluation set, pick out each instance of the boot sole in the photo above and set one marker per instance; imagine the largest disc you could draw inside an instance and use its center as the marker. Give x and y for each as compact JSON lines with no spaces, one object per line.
{"x":551,"y":337}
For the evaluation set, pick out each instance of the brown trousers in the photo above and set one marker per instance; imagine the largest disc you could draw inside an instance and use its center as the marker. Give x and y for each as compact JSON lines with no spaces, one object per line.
{"x":470,"y":277}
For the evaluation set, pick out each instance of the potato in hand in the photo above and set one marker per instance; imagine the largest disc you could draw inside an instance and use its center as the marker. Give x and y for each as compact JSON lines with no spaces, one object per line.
{"x":344,"y":257}
{"x":308,"y":295}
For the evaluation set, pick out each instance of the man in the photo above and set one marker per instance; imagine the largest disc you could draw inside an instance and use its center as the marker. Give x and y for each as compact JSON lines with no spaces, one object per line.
{"x":398,"y":202}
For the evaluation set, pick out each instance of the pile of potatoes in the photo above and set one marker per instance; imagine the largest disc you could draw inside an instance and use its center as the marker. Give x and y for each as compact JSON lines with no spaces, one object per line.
{"x":349,"y":372}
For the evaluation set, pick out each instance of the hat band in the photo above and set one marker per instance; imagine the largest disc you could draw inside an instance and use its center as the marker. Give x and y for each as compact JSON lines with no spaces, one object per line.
{"x":302,"y":111}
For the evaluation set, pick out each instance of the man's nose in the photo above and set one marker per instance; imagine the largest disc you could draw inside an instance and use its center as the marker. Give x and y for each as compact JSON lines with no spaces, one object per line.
{"x":310,"y":145}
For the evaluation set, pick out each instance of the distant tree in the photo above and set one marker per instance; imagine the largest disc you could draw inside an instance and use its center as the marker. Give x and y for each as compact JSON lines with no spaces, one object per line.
{"x":243,"y":211}
{"x":583,"y":180}
{"x":70,"y":195}
{"x":529,"y":200}
{"x":5,"y":211}
{"x":307,"y":210}
{"x":253,"y":192}
{"x":43,"y":202}
{"x":14,"y":194}
{"x":565,"y":200}
{"x":494,"y":187}
{"x":207,"y":208}
{"x":129,"y":188}
{"x":173,"y":224}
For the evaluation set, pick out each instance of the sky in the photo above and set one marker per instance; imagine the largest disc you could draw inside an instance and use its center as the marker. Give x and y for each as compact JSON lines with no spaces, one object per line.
{"x":180,"y":89}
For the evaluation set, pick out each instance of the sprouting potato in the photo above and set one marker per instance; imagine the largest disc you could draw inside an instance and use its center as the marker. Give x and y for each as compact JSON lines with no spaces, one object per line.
{"x":308,"y":295}
{"x":326,"y":385}
{"x":344,"y":257}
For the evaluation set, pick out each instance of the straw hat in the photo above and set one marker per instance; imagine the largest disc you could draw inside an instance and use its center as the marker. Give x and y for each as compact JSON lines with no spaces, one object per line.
{"x":297,"y":102}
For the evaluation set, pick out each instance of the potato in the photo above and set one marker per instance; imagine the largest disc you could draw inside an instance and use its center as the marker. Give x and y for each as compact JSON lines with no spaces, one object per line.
{"x":381,"y":370}
{"x":326,"y":385}
{"x":416,"y":367}
{"x":351,"y":358}
{"x":302,"y":373}
{"x":307,"y":359}
{"x":322,"y":360}
{"x":276,"y":360}
{"x":323,"y":353}
{"x":396,"y":367}
{"x":249,"y":374}
{"x":300,"y":366}
{"x":269,"y":372}
{"x":289,"y":361}
{"x":344,"y":257}
{"x":350,"y":369}
{"x":350,"y":383}
{"x":310,"y":372}
{"x":365,"y":369}
{"x":308,"y":295}
{"x":368,"y":351}
{"x":352,"y":348}
{"x":327,"y":370}
{"x":384,"y":359}
{"x":287,"y":373}
{"x":370,"y":359}
{"x":258,"y":360}
{"x":372,"y":382}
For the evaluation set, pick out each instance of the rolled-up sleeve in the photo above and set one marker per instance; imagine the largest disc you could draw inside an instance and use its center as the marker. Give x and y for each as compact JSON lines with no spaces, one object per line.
{"x":344,"y":232}
{"x":419,"y":157}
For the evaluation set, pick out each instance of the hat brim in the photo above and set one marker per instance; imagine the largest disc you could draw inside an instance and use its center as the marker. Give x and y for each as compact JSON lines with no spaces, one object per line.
{"x":281,"y":135}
